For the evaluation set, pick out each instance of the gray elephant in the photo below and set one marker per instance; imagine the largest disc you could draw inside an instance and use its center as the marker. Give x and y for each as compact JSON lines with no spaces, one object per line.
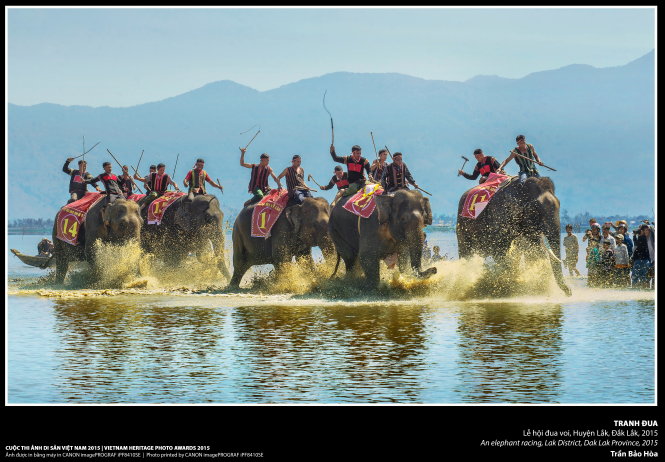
{"x":394,"y":227}
{"x":119,"y":222}
{"x":188,"y":227}
{"x":527,"y":211}
{"x":296,"y":231}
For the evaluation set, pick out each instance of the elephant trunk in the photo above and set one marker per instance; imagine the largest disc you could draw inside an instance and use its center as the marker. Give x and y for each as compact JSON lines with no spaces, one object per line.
{"x":327,"y":246}
{"x":553,"y":236}
{"x":125,"y":229}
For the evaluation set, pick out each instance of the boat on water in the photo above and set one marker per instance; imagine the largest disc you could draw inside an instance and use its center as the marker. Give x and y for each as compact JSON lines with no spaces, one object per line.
{"x":40,"y":261}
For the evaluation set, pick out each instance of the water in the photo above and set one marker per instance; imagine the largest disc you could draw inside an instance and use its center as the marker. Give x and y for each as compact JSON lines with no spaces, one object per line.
{"x":307,"y":340}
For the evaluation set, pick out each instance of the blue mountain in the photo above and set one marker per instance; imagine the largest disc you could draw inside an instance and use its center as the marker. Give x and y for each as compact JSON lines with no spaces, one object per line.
{"x":594,"y":125}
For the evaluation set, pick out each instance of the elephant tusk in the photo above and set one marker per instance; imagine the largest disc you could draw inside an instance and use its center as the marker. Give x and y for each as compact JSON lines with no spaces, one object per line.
{"x":548,"y":250}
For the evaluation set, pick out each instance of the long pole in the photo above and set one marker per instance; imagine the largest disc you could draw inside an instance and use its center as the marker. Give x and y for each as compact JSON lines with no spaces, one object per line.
{"x":175,"y":166}
{"x":528,"y":158}
{"x":375,"y":151}
{"x":250,"y":141}
{"x":86,"y":151}
{"x":332,"y":126}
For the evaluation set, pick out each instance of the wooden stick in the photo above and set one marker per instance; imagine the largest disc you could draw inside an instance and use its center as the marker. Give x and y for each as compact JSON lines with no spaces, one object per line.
{"x":532,"y":160}
{"x":250,"y":141}
{"x":375,"y":151}
{"x":86,"y":151}
{"x":332,"y":126}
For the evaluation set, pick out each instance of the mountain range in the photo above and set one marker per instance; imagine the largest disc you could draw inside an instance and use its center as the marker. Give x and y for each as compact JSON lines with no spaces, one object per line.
{"x":595,"y":126}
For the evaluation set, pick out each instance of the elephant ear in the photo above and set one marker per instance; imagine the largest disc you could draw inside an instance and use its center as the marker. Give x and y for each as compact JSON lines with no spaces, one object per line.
{"x":427,"y":211}
{"x":293,"y":215}
{"x":384,"y":206}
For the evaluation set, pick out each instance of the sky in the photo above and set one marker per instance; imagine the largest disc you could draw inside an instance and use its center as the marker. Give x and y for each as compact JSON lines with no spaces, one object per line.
{"x":122,"y":57}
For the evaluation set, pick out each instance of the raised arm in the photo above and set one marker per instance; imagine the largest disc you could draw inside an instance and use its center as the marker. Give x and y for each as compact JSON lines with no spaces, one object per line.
{"x":242,"y":159}
{"x":335,"y":157}
{"x":65,"y":168}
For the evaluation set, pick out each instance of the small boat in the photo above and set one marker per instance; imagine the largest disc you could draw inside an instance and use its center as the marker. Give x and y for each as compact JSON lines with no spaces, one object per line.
{"x":40,"y":261}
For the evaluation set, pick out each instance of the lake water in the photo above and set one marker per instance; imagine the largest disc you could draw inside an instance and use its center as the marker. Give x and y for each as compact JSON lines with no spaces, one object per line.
{"x":182,"y":338}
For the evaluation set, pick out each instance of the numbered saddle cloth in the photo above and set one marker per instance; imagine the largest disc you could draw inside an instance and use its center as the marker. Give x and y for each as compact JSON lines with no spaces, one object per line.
{"x":158,"y":206}
{"x":267,"y":211}
{"x":363,"y":203}
{"x":479,"y":196}
{"x":72,"y":216}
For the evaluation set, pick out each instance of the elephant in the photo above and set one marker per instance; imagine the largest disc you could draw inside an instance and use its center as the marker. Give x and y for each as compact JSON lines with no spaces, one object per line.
{"x":187,"y":227}
{"x":299,"y":228}
{"x":527,"y":211}
{"x":395,"y":226}
{"x":118,"y":222}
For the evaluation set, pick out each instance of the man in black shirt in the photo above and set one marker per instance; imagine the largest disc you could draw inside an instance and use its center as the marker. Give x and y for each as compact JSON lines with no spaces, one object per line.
{"x":110,"y":181}
{"x":396,"y":175}
{"x":355,"y":164}
{"x":485,"y":166}
{"x":77,"y":180}
{"x":339,"y":179}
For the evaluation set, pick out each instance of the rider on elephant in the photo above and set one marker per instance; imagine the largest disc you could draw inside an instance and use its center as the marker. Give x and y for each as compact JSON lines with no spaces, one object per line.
{"x":126,"y":182}
{"x":147,"y":180}
{"x":355,"y":164}
{"x":379,"y":165}
{"x":111,"y":183}
{"x":396,"y":175}
{"x":159,"y":181}
{"x":258,"y":181}
{"x":526,"y":163}
{"x":195,"y":181}
{"x":485,"y":166}
{"x":295,"y":181}
{"x":339,"y":179}
{"x":77,"y":185}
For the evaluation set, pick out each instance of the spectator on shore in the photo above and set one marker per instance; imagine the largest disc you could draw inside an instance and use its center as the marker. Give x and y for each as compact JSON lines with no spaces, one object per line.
{"x":622,"y":228}
{"x":572,"y":247}
{"x":606,"y":236}
{"x":607,"y":262}
{"x":621,"y":263}
{"x":436,"y":255}
{"x":642,"y":257}
{"x":587,"y":233}
{"x":427,"y":253}
{"x":593,"y":261}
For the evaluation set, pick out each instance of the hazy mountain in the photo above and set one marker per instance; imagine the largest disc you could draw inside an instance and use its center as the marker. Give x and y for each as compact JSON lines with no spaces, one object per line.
{"x":594,"y":125}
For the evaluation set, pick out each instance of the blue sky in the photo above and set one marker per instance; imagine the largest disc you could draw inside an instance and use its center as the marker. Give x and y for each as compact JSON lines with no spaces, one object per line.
{"x":123,"y":56}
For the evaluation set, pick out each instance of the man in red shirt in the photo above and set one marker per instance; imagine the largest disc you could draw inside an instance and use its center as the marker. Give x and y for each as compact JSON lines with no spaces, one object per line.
{"x":485,"y":166}
{"x":195,"y":180}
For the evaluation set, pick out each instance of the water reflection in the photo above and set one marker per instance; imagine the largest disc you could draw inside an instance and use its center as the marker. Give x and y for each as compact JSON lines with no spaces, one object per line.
{"x":510,"y":353}
{"x":112,"y":351}
{"x":141,"y":350}
{"x":360,"y":354}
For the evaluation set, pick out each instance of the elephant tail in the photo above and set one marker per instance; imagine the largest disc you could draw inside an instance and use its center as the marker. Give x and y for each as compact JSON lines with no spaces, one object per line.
{"x":336,"y":265}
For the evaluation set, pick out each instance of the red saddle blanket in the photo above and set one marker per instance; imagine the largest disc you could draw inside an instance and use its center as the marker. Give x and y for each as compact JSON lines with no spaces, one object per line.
{"x":478,"y":197}
{"x":158,"y":206}
{"x":72,"y":216}
{"x":136,"y":197}
{"x":363,"y":203}
{"x":267,"y":211}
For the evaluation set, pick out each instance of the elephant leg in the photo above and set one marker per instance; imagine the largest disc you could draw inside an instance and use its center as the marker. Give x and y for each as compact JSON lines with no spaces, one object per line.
{"x":369,"y":261}
{"x":61,"y":266}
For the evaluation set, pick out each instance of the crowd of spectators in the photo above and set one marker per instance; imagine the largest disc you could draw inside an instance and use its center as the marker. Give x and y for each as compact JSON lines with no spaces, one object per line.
{"x":614,"y":258}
